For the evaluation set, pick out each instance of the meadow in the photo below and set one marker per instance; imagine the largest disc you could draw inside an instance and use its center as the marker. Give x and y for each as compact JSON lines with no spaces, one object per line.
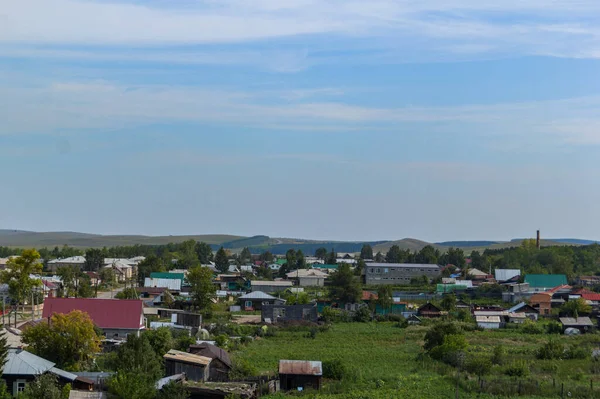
{"x":384,"y":361}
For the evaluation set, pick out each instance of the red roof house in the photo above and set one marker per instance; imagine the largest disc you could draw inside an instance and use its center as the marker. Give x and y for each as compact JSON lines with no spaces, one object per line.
{"x":116,"y":317}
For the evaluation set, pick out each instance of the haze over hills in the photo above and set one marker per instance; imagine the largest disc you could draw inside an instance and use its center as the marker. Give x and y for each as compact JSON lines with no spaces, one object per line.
{"x":257,"y":244}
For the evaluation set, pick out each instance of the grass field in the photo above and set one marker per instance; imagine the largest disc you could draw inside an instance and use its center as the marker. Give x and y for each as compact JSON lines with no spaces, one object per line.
{"x":383,"y":362}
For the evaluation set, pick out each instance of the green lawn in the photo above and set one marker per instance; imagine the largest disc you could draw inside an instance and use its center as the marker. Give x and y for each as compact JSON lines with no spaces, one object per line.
{"x":384,"y":362}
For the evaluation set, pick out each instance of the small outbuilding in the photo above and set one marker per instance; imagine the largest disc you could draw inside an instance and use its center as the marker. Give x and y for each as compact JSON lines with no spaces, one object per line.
{"x":583,"y":324}
{"x":256,"y":299}
{"x":299,"y":375}
{"x":221,"y":363}
{"x":195,"y":367}
{"x":488,"y":322}
{"x":283,"y":313}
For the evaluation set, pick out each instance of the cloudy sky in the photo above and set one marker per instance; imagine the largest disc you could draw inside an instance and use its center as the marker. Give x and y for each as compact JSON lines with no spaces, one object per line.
{"x":332,"y":119}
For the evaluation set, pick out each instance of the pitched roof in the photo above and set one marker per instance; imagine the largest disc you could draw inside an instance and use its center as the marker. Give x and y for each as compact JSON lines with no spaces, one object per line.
{"x":487,"y":319}
{"x":306,"y":273}
{"x":273,"y":283}
{"x":173,"y":276}
{"x":523,"y":306}
{"x":209,"y":350}
{"x":580,"y":321}
{"x":564,"y":287}
{"x":72,"y":259}
{"x":257,"y":295}
{"x":21,"y":362}
{"x":367,"y":296}
{"x":185,"y":357}
{"x":587,"y":295}
{"x":545,"y":280}
{"x":106,"y":313}
{"x":408,"y":265}
{"x":300,"y":367}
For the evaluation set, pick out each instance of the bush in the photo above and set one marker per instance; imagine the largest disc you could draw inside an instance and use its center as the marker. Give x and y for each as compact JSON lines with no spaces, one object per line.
{"x":312,"y":333}
{"x":532,"y":327}
{"x":576,"y":352}
{"x":242,"y":368}
{"x":395,"y":317}
{"x":554,"y":328}
{"x":478,"y":364}
{"x":334,"y":369}
{"x":362,"y":315}
{"x":552,"y":349}
{"x":499,"y":355}
{"x":451,"y":351}
{"x":221,"y":341}
{"x":517,"y":369}
{"x":330,"y":314}
{"x":436,"y":334}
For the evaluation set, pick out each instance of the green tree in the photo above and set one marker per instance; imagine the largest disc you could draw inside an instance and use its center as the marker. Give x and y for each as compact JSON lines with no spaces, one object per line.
{"x":321,"y":253}
{"x":454,"y":256}
{"x":148,"y":266}
{"x":204,"y":253}
{"x":245,"y":256}
{"x":266,"y":256}
{"x":397,"y":255}
{"x":160,"y":339}
{"x":477,"y":260}
{"x":131,"y":385}
{"x":17,"y":275}
{"x":448,"y":302}
{"x":43,"y":387}
{"x":575,"y":308}
{"x":384,"y":297}
{"x":344,"y":286}
{"x":427,"y":255}
{"x":379,"y":257}
{"x":290,"y":257}
{"x":222,"y":261}
{"x":366,"y":252}
{"x":94,"y":259}
{"x":127,"y":293}
{"x":167,"y":299}
{"x":85,"y":289}
{"x":300,"y":260}
{"x":107,"y":276}
{"x":3,"y":349}
{"x":70,"y":340}
{"x":202,"y":288}
{"x":69,"y":277}
{"x":331,"y":258}
{"x":186,"y":255}
{"x":173,"y":390}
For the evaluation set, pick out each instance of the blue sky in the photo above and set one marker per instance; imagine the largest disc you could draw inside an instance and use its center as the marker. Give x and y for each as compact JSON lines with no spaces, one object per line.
{"x":350,"y":120}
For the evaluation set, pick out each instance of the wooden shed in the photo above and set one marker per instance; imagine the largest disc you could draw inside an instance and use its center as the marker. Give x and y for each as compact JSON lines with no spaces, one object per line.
{"x":299,"y":375}
{"x":195,"y":367}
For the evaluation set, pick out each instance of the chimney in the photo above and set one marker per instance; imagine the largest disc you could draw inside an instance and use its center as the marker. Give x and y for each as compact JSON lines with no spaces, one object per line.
{"x":537,"y":241}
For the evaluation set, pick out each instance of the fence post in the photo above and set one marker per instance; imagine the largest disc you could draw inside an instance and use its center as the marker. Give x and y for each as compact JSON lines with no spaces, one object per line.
{"x":562,"y":390}
{"x":519,"y":387}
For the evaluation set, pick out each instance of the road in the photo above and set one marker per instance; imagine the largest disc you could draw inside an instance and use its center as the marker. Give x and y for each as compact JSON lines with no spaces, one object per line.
{"x":109,"y":294}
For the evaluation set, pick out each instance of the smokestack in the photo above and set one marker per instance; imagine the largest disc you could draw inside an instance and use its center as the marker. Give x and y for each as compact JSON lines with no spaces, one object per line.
{"x":537,"y":241}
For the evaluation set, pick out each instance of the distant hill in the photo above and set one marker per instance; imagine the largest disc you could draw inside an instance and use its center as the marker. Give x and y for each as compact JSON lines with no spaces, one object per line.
{"x":411,"y":244}
{"x":466,"y":244}
{"x":575,"y":241}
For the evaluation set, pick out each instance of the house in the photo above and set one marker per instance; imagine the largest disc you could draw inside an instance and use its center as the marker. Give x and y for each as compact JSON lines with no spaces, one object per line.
{"x":308,"y":277}
{"x":582,"y":324}
{"x":283,"y":313}
{"x":413,"y":319}
{"x":117,"y":318}
{"x":529,"y":311}
{"x":195,"y":367}
{"x":94,"y":278}
{"x":503,"y":275}
{"x":74,"y":261}
{"x":590,"y":297}
{"x":488,"y":322}
{"x":231,"y":282}
{"x":220,"y":364}
{"x":50,"y":288}
{"x":255,"y":300}
{"x":460,"y":304}
{"x":429,"y":310}
{"x":122,"y":269}
{"x":398,"y":273}
{"x":542,"y":302}
{"x":588,"y":281}
{"x":23,"y":367}
{"x":544,"y":282}
{"x":168,"y":275}
{"x":270,"y":286}
{"x":298,"y":375}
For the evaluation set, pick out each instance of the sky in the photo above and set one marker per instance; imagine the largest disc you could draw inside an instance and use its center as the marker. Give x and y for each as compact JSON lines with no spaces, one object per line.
{"x":323,"y":119}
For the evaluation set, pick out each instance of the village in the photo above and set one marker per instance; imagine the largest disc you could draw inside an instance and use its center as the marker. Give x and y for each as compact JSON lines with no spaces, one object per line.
{"x":207,"y":324}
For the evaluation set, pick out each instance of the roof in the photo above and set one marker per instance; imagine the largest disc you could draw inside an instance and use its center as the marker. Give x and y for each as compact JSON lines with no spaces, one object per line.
{"x":272,"y":283}
{"x":506,"y":274}
{"x":487,"y":319}
{"x":545,"y":280}
{"x":184,"y":357}
{"x":580,"y":321}
{"x":72,"y":259}
{"x":367,"y":296}
{"x":257,"y":295}
{"x":520,"y":306}
{"x":21,"y":362}
{"x":171,"y":284}
{"x":209,"y":350}
{"x":87,"y":395}
{"x":106,"y":313}
{"x":564,"y":287}
{"x":300,"y":367}
{"x":477,"y":273}
{"x":588,"y":295}
{"x":172,"y":378}
{"x":64,"y":374}
{"x":412,"y":265}
{"x":323,"y":266}
{"x":306,"y":273}
{"x":173,"y":276}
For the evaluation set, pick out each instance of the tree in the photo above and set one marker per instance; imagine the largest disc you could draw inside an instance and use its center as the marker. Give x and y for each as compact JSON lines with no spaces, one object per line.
{"x":3,"y":349}
{"x":360,"y":266}
{"x":266,"y":256}
{"x":331,"y":258}
{"x":173,"y":390}
{"x":300,"y":260}
{"x":167,"y":298}
{"x":127,"y":293}
{"x":186,"y":255}
{"x":17,"y":275}
{"x":70,"y":340}
{"x":366,"y":252}
{"x":85,"y":290}
{"x":160,"y":339}
{"x":448,"y":302}
{"x":222,"y":261}
{"x":148,"y":266}
{"x":384,"y":297}
{"x":44,"y":387}
{"x":397,"y":255}
{"x":290,"y":257}
{"x":321,"y":253}
{"x":477,"y":261}
{"x":344,"y":286}
{"x":204,"y":253}
{"x":130,"y":385}
{"x":107,"y":276}
{"x":427,"y":255}
{"x":264,"y":272}
{"x":202,"y":288}
{"x":245,"y":256}
{"x":379,"y":258}
{"x":454,"y":256}
{"x":94,"y":259}
{"x":575,"y":308}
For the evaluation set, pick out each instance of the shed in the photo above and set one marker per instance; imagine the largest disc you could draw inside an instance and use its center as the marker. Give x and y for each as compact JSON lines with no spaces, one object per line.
{"x":221,"y":363}
{"x":488,"y":322}
{"x":195,"y":367}
{"x":583,"y":324}
{"x":299,"y":375}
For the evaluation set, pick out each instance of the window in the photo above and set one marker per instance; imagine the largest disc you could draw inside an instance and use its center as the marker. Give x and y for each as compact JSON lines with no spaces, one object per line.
{"x":371,"y":270}
{"x":248,"y":304}
{"x":378,"y":270}
{"x":19,"y":386}
{"x":386,"y":270}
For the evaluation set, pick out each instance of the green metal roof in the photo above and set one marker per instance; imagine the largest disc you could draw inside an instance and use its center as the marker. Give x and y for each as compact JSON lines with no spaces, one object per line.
{"x":174,"y":276}
{"x":281,"y":261}
{"x":545,"y":280}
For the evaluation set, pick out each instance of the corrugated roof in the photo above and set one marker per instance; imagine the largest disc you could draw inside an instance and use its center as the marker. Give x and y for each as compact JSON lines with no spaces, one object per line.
{"x":21,"y":362}
{"x":506,"y":274}
{"x":412,"y":265}
{"x":185,"y":357}
{"x":300,"y":367}
{"x":106,"y":313}
{"x":487,"y":319}
{"x":86,"y":395}
{"x":164,"y":381}
{"x":272,"y":283}
{"x":306,"y":273}
{"x":173,"y":276}
{"x":64,"y":374}
{"x":209,"y":350}
{"x":168,"y":283}
{"x":258,"y":295}
{"x":545,"y":280}
{"x":72,"y":259}
{"x":580,"y":321}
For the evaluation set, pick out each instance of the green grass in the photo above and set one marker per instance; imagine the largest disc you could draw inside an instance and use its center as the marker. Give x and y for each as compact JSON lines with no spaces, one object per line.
{"x":383,"y":362}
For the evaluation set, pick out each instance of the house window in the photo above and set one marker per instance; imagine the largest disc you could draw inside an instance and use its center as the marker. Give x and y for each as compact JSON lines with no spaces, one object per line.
{"x":18,"y":387}
{"x":386,"y":270}
{"x":371,"y":271}
{"x":378,"y":271}
{"x":248,"y":304}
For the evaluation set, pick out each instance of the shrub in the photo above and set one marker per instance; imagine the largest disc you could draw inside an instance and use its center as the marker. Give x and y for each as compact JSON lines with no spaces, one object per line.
{"x":395,"y":317}
{"x":552,"y":349}
{"x":242,"y":368}
{"x":554,"y":327}
{"x":362,"y":315}
{"x":478,"y":364}
{"x":451,"y":351}
{"x":221,"y":340}
{"x":595,"y":366}
{"x":531,"y":327}
{"x":334,"y":369}
{"x":436,"y":334}
{"x":499,"y":355}
{"x":330,"y":314}
{"x":517,"y":369}
{"x":576,"y":352}
{"x":312,"y":333}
